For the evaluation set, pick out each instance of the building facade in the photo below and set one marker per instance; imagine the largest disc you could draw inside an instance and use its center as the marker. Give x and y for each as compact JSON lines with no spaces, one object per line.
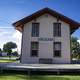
{"x":46,"y":37}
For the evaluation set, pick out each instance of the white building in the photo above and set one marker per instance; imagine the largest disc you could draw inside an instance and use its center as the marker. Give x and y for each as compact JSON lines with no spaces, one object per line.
{"x":46,"y":37}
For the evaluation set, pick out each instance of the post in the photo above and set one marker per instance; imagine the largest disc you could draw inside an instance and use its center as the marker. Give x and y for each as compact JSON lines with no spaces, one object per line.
{"x":29,"y":73}
{"x":1,"y":69}
{"x":58,"y":72}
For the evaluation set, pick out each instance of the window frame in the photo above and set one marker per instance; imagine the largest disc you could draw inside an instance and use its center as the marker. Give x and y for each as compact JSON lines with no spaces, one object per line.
{"x":34,"y":32}
{"x":57,"y":31}
{"x":59,"y":54}
{"x":37,"y":49}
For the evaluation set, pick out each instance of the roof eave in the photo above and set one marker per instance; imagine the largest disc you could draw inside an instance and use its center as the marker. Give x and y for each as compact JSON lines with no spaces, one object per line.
{"x":75,"y":25}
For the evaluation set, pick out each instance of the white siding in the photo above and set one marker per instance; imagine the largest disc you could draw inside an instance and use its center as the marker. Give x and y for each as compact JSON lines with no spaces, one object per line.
{"x":46,"y":47}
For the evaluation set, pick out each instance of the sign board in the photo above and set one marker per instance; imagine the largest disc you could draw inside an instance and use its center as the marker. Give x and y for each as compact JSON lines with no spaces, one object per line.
{"x":45,"y":39}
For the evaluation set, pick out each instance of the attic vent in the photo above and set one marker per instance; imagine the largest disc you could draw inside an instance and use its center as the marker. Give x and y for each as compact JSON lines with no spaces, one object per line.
{"x":46,"y":15}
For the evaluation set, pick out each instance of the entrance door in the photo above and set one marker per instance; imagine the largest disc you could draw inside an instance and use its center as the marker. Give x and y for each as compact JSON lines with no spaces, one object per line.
{"x":45,"y":52}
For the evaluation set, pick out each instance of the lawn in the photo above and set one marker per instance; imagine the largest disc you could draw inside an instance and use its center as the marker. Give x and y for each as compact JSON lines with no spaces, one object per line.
{"x":11,"y":76}
{"x":54,"y":77}
{"x":6,"y":60}
{"x":24,"y":76}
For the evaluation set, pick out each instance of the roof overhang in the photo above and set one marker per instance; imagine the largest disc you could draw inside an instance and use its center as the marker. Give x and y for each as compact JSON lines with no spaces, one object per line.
{"x":73,"y":24}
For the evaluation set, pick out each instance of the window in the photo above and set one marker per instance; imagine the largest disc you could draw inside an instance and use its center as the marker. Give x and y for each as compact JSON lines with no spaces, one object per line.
{"x":34,"y":49}
{"x":57,"y":29}
{"x":35,"y":29}
{"x":57,"y":49}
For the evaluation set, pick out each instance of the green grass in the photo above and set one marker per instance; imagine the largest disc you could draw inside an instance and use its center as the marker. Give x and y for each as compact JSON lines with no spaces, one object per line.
{"x":8,"y":57}
{"x":52,"y":77}
{"x":24,"y":76}
{"x":6,"y":60}
{"x":11,"y":76}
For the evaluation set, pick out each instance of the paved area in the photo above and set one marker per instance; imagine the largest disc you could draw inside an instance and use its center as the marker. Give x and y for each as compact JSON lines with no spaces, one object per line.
{"x":19,"y":66}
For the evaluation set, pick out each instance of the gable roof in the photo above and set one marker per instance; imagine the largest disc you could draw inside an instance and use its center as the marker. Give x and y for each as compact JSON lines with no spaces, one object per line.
{"x":73,"y":24}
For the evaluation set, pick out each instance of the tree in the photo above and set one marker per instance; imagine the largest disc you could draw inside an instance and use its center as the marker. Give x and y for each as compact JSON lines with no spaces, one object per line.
{"x":15,"y":53}
{"x":8,"y":48}
{"x":75,"y":48}
{"x":0,"y":52}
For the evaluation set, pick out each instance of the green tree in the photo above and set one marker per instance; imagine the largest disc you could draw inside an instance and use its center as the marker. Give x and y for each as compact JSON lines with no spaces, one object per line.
{"x":8,"y":48}
{"x":75,"y":47}
{"x":0,"y":52}
{"x":15,"y":53}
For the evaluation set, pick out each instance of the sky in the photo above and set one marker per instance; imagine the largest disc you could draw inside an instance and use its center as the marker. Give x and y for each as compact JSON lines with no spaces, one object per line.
{"x":14,"y":10}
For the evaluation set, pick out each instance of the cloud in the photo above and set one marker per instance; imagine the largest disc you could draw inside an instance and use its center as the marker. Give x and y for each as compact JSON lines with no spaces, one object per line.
{"x":17,"y":36}
{"x":10,"y":35}
{"x":79,"y":41}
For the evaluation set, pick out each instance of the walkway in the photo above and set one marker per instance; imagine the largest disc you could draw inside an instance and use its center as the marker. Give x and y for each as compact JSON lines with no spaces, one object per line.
{"x":40,"y":67}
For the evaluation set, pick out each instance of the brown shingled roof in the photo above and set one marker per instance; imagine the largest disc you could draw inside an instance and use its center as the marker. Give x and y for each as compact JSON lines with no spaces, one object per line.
{"x":73,"y":24}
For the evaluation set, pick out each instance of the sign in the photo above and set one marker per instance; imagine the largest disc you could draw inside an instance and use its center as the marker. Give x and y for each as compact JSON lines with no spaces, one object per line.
{"x":45,"y":39}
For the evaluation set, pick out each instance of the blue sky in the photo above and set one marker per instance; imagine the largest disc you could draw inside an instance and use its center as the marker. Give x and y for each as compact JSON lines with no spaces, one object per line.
{"x":13,"y":10}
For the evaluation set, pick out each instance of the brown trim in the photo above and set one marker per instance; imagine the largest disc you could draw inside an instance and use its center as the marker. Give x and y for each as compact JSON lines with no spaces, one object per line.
{"x":74,"y":25}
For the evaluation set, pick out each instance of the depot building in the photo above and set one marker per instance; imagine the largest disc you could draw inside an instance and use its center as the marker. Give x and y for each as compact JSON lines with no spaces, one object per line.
{"x":46,"y":37}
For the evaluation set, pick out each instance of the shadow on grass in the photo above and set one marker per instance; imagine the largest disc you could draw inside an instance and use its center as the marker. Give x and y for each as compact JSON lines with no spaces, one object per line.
{"x":12,"y":76}
{"x":24,"y":76}
{"x":47,"y":78}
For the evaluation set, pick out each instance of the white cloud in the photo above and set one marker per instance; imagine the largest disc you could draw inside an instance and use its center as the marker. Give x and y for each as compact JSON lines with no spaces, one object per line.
{"x":8,"y":34}
{"x":5,"y":33}
{"x":79,"y":41}
{"x":17,"y":36}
